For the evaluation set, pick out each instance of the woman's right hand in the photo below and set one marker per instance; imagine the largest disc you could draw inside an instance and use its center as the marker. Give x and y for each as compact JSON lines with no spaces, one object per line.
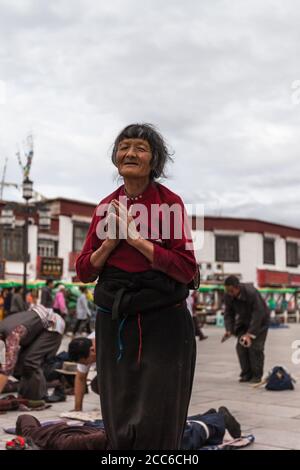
{"x":99,"y":257}
{"x":111,"y":243}
{"x":112,"y":224}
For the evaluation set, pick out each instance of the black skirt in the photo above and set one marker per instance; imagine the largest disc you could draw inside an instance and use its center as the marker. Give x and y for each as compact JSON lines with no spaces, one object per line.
{"x":145,"y":367}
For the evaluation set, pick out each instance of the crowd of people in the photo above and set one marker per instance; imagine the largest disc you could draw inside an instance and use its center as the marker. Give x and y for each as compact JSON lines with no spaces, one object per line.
{"x":76,"y":307}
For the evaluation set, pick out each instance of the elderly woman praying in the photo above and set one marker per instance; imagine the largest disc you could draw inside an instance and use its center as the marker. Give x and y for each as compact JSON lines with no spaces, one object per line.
{"x":140,"y":250}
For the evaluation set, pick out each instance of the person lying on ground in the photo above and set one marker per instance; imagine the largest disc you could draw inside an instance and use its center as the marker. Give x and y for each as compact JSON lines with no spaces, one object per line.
{"x":200,"y":430}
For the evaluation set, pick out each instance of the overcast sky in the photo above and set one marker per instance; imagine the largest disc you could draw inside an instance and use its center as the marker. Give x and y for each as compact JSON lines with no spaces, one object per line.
{"x":217,"y":77}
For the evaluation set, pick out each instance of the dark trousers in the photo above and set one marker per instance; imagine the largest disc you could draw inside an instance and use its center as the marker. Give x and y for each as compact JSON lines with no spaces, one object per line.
{"x":145,"y":402}
{"x":198,"y":331}
{"x":78,"y":324}
{"x":31,"y":359}
{"x":252,"y":359}
{"x":195,"y":435}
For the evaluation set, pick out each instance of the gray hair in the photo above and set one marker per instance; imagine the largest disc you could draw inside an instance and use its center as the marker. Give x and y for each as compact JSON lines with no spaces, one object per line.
{"x":160,"y":153}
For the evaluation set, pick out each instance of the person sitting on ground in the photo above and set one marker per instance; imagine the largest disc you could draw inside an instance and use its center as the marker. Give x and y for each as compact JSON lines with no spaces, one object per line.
{"x":83,"y":351}
{"x":200,"y":430}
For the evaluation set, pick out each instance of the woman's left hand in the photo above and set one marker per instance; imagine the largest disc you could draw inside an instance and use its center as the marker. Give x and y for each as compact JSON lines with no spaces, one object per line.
{"x":126,"y":223}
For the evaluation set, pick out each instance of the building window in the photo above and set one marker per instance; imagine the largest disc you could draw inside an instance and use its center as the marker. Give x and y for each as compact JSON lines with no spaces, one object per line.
{"x":47,"y":248}
{"x":11,"y":244}
{"x":269,"y":251}
{"x":227,"y":248}
{"x":292,"y":254}
{"x":79,"y":235}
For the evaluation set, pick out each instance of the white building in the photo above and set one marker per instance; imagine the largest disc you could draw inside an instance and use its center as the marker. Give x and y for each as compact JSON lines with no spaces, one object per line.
{"x":264,"y":253}
{"x":52,"y":253}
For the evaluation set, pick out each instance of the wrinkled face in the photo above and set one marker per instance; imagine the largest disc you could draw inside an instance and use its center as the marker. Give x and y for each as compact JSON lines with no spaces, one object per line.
{"x":133,"y":158}
{"x":232,"y":291}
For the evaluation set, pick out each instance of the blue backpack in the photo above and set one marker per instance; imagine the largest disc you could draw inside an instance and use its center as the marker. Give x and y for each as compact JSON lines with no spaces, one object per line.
{"x":279,"y":379}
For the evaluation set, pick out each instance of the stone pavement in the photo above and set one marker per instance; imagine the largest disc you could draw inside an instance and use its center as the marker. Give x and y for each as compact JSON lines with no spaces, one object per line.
{"x":273,"y":417}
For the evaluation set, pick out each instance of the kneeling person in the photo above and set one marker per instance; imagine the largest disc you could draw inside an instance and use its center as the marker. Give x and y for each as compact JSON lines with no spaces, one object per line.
{"x":30,"y":337}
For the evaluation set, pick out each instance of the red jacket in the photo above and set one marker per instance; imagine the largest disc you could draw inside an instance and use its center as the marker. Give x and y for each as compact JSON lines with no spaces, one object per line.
{"x":171,"y":255}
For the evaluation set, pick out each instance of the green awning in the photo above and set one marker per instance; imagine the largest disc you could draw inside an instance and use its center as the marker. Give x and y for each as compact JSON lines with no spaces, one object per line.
{"x":278,"y":290}
{"x":203,"y":288}
{"x":39,"y":283}
{"x":210,"y":287}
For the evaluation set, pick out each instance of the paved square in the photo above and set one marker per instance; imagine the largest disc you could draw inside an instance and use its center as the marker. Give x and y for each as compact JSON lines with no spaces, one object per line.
{"x":273,"y":417}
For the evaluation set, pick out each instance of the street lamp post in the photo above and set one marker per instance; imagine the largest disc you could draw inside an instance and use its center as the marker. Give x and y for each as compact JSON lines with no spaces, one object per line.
{"x":27,"y":195}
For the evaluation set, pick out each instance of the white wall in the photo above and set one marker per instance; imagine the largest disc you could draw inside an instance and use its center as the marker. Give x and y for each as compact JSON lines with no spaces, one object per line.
{"x":65,"y":243}
{"x":280,"y":254}
{"x":251,"y":255}
{"x":14,"y":270}
{"x":204,"y":246}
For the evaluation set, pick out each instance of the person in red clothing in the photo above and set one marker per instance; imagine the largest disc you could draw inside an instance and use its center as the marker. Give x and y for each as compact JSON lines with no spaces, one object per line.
{"x":140,"y":249}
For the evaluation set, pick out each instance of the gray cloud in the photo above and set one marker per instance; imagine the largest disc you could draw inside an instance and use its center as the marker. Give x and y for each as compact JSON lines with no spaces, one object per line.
{"x":215,"y":77}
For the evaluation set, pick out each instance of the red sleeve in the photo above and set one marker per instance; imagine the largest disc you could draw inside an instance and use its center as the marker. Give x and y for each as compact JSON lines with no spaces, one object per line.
{"x":85,"y":271}
{"x":176,"y":259}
